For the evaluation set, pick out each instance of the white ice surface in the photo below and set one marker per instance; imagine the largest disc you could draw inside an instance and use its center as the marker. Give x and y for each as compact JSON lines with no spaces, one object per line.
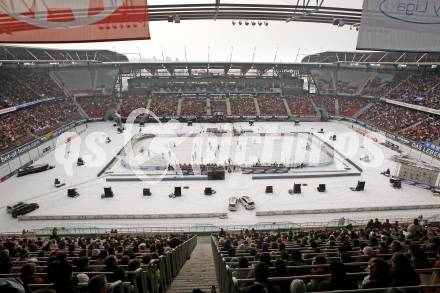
{"x":129,"y":200}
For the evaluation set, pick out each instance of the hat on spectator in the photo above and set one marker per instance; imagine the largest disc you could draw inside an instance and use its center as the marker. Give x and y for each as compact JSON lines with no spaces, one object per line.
{"x":82,"y":278}
{"x":95,"y":252}
{"x":298,"y":286}
{"x":368,"y":251}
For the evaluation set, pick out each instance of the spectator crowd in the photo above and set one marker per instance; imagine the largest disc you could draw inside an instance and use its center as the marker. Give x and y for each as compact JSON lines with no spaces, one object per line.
{"x":376,"y":255}
{"x":300,"y":106}
{"x":422,"y":88}
{"x":67,"y":264}
{"x":23,"y":86}
{"x":270,"y":105}
{"x":22,"y":126}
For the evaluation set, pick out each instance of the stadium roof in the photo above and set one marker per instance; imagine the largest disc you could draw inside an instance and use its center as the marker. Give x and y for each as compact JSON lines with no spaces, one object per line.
{"x":41,"y":55}
{"x":303,"y":10}
{"x":373,"y":57}
{"x":224,"y":67}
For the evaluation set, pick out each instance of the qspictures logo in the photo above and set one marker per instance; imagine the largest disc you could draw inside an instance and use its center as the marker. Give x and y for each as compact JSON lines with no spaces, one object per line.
{"x":412,"y":11}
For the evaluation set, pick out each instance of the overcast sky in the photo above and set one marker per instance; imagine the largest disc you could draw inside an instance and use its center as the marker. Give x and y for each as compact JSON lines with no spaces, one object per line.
{"x":279,"y":38}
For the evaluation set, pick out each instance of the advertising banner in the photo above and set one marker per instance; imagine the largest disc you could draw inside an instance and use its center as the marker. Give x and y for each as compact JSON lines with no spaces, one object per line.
{"x":57,"y":21}
{"x":400,"y":25}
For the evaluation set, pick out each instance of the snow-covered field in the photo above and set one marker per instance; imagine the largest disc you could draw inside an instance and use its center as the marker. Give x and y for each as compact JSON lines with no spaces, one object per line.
{"x":195,"y":146}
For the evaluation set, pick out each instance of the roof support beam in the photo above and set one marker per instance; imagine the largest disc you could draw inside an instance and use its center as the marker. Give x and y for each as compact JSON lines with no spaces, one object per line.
{"x":48,"y":54}
{"x":306,"y":10}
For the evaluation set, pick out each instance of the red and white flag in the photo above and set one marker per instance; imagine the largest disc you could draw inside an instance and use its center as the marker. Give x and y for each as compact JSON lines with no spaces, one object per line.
{"x":58,"y":21}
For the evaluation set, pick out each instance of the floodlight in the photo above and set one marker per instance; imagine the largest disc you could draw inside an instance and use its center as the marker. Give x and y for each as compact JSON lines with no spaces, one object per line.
{"x":246,"y":22}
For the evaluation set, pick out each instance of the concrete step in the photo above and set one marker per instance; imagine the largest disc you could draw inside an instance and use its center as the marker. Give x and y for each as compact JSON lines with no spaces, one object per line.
{"x":198,"y":272}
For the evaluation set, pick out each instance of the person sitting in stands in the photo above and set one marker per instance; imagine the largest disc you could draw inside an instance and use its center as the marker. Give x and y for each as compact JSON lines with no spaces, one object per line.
{"x":59,"y":272}
{"x":97,"y":284}
{"x":243,"y":263}
{"x":5,"y":262}
{"x":82,"y":264}
{"x":339,"y":280}
{"x":314,"y":283}
{"x":402,"y":272}
{"x":415,"y":230}
{"x":298,"y":286}
{"x":367,"y":253}
{"x":28,"y":275}
{"x":378,"y":274}
{"x":111,"y":265}
{"x":261,"y":284}
{"x":281,"y":271}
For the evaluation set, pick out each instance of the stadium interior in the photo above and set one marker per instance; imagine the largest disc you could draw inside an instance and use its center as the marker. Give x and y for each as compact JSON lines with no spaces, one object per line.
{"x":52,"y":98}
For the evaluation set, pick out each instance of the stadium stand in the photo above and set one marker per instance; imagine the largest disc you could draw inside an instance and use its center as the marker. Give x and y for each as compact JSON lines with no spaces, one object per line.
{"x":360,"y":56}
{"x":327,"y":259}
{"x":428,"y":130}
{"x":130,"y":103}
{"x":30,"y":54}
{"x":193,"y":107}
{"x":324,"y":81}
{"x":242,"y":106}
{"x":419,"y":89}
{"x":22,"y":86}
{"x":138,"y":263}
{"x":19,"y":127}
{"x":219,"y":105}
{"x":382,"y":83}
{"x":328,"y":103}
{"x":415,"y":125}
{"x":350,"y":82}
{"x":301,"y":106}
{"x":96,"y":107}
{"x":271,"y":105}
{"x":391,"y":117}
{"x":164,"y":105}
{"x":350,"y":106}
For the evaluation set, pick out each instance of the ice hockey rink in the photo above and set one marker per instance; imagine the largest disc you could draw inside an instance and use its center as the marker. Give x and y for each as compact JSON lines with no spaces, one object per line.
{"x":265,"y":142}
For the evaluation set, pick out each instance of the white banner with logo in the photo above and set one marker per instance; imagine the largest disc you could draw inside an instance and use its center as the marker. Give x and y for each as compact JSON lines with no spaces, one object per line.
{"x":400,"y":25}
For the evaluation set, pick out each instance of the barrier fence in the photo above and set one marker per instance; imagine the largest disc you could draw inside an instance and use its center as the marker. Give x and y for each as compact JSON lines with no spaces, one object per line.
{"x":76,"y":229}
{"x":224,"y":275}
{"x":171,"y":262}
